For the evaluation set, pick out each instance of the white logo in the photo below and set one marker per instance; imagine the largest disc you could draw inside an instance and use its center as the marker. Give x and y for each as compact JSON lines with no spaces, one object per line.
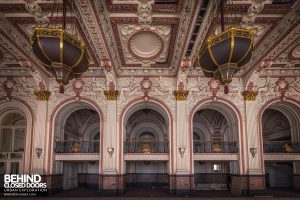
{"x":23,"y":181}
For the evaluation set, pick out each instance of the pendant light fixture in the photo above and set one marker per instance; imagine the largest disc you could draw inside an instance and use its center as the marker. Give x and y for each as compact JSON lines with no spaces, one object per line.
{"x":60,"y":52}
{"x":226,"y":52}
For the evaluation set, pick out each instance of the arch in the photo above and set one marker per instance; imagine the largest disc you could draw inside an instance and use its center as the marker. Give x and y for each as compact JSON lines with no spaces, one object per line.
{"x":150,"y":103}
{"x":18,"y":106}
{"x":291,"y":109}
{"x":232,"y":115}
{"x":61,"y":112}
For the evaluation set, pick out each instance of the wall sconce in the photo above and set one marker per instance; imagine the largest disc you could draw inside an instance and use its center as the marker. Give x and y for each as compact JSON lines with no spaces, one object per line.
{"x":38,"y":152}
{"x":253,"y":151}
{"x":181,"y":151}
{"x":110,"y":151}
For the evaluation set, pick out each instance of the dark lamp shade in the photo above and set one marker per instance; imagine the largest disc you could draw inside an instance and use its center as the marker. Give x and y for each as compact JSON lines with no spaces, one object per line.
{"x":226,"y":53}
{"x":61,"y":53}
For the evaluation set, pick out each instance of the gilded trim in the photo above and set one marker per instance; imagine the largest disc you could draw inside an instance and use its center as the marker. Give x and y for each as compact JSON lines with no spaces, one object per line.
{"x":111,"y":95}
{"x":250,"y":95}
{"x":211,"y":55}
{"x":181,"y":95}
{"x":42,"y":95}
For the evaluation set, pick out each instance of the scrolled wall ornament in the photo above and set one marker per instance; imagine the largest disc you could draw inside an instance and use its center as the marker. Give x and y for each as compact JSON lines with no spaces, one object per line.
{"x":77,"y":86}
{"x":146,"y":85}
{"x":8,"y":86}
{"x":282,"y":86}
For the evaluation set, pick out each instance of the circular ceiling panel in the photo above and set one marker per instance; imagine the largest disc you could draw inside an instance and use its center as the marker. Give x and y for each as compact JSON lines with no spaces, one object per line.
{"x":145,"y":45}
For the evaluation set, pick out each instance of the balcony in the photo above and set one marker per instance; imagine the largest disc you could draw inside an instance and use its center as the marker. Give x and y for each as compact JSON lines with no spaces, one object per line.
{"x":215,"y":147}
{"x":146,"y":147}
{"x":77,"y":147}
{"x":281,"y":147}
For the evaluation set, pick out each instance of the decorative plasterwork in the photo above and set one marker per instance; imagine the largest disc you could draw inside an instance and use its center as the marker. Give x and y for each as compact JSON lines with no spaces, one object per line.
{"x":281,"y":36}
{"x":185,"y":26}
{"x":91,"y":25}
{"x":145,"y":45}
{"x":249,"y":19}
{"x":125,"y":27}
{"x":33,"y":8}
{"x":144,"y":14}
{"x":144,"y":48}
{"x":23,"y":88}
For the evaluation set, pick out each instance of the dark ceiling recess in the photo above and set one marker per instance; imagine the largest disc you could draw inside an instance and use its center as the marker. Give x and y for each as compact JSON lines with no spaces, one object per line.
{"x":199,"y":21}
{"x":281,"y":1}
{"x":166,"y":1}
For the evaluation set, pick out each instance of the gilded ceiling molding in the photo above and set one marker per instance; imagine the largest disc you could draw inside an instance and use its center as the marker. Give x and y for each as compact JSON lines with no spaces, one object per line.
{"x":250,"y":95}
{"x":42,"y":95}
{"x":181,"y":95}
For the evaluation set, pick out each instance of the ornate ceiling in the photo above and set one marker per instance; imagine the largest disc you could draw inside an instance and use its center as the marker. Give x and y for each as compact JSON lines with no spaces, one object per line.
{"x":152,"y":37}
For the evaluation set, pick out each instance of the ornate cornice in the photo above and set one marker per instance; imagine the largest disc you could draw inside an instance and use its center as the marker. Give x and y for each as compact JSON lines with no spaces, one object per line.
{"x":181,"y":95}
{"x":111,"y":95}
{"x":249,"y":95}
{"x":42,"y":95}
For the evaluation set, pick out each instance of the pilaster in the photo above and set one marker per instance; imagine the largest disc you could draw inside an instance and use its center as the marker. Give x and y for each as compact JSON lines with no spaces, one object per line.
{"x":40,"y":133}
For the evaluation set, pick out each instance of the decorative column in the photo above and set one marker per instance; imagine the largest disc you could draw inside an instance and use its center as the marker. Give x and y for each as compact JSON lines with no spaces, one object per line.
{"x":111,"y":182}
{"x":40,"y":132}
{"x":181,"y":178}
{"x":254,"y":178}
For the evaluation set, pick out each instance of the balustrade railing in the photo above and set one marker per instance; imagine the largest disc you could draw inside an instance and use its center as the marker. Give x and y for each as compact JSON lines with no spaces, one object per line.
{"x":11,"y":155}
{"x":146,"y":147}
{"x":77,"y":147}
{"x":215,"y":147}
{"x":281,"y":147}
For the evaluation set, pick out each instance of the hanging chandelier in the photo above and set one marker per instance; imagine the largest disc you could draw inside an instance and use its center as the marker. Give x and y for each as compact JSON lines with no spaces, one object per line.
{"x":61,"y":53}
{"x":226,"y":52}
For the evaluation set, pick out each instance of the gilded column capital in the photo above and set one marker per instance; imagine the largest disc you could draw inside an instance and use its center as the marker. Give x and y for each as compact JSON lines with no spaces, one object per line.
{"x":42,"y":95}
{"x":249,"y":95}
{"x":181,"y":95}
{"x":111,"y":95}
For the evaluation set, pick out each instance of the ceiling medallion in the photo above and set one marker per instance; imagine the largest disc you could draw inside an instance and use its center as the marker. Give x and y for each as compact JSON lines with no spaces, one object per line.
{"x":61,"y":53}
{"x":145,"y":45}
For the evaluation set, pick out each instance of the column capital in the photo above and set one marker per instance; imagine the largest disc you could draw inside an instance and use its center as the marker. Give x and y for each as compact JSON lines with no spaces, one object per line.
{"x":181,"y":95}
{"x":111,"y":95}
{"x":42,"y":95}
{"x":250,"y":95}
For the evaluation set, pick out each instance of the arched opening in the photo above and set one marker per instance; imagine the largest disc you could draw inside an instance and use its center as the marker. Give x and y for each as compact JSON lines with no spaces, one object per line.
{"x":280,"y":133}
{"x":215,"y":131}
{"x":146,"y":135}
{"x":77,"y":134}
{"x":12,"y":142}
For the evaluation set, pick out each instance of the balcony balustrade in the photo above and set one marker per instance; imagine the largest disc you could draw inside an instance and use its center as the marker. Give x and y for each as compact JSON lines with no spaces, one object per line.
{"x":281,"y":147}
{"x":77,"y":147}
{"x":215,"y":147}
{"x":11,"y":155}
{"x":146,"y":147}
